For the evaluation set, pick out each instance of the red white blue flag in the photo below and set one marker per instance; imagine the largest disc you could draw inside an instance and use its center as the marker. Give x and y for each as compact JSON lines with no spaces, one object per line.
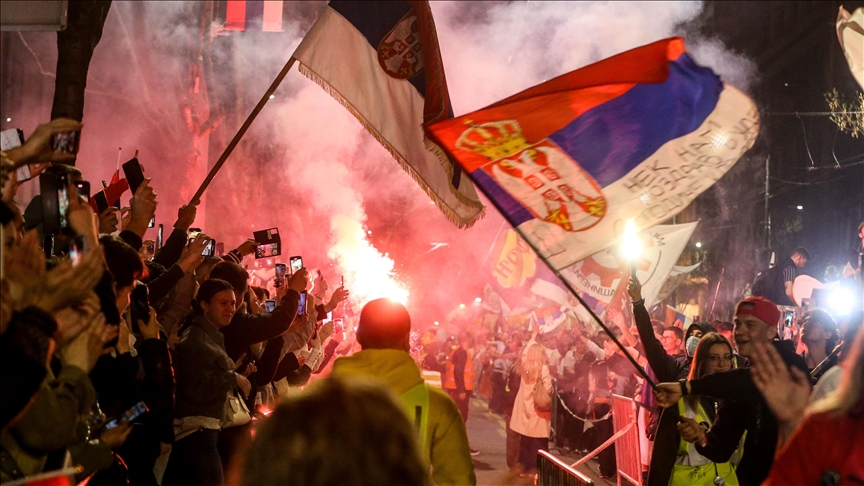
{"x":636,"y":136}
{"x":380,"y":60}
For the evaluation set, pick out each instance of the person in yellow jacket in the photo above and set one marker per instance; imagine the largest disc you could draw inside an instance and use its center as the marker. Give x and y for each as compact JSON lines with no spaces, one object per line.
{"x":383,"y":333}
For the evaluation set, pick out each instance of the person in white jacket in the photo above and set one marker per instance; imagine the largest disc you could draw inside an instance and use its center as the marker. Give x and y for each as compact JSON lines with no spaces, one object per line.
{"x":531,"y":424}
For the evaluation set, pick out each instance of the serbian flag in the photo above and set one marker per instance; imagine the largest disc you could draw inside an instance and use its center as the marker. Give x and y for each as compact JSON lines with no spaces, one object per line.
{"x":380,"y":60}
{"x":676,"y":318}
{"x":850,"y":33}
{"x":636,"y":136}
{"x":254,"y":15}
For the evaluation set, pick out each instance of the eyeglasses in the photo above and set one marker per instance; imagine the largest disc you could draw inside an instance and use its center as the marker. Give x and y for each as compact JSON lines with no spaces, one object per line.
{"x":666,"y":338}
{"x":726,"y":358}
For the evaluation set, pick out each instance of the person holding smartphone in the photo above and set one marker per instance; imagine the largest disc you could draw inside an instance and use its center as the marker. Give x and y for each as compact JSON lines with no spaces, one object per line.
{"x":205,"y":376}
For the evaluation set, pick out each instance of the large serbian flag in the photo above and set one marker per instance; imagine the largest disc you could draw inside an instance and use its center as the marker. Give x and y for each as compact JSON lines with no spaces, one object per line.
{"x":380,"y":60}
{"x":850,"y":33}
{"x":636,"y":136}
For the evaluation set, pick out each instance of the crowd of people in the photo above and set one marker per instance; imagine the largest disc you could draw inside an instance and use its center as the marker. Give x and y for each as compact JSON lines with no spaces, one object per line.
{"x":204,"y":385}
{"x":729,"y":401}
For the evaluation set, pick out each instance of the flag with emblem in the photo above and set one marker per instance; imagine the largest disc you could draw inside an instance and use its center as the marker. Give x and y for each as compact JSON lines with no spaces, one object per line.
{"x":380,"y":60}
{"x":598,"y":277}
{"x":634,"y":137}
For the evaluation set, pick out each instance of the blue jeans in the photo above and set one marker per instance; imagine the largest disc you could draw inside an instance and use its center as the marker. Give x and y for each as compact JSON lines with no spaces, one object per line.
{"x":195,"y":460}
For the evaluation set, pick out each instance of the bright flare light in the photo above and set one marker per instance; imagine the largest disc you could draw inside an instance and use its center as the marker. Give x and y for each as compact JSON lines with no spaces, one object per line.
{"x":369,"y":275}
{"x":840,"y":302}
{"x":631,"y":246}
{"x":478,"y":300}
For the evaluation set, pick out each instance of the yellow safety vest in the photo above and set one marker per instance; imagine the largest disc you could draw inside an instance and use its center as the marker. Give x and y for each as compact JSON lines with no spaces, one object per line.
{"x":699,"y":475}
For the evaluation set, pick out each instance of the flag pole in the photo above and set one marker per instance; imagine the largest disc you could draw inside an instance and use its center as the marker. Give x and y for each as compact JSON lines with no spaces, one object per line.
{"x":249,"y":119}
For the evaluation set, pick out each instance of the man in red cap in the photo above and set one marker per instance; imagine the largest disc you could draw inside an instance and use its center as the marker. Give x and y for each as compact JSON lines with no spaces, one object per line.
{"x":743,"y":408}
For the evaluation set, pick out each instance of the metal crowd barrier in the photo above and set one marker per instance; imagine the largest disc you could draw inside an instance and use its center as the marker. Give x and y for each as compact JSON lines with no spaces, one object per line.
{"x":627,"y":457}
{"x":552,"y":472}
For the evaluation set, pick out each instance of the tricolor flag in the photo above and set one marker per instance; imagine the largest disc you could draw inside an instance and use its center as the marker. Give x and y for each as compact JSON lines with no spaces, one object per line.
{"x":850,"y":33}
{"x":254,"y":15}
{"x":380,"y":60}
{"x":636,"y":136}
{"x":676,"y":318}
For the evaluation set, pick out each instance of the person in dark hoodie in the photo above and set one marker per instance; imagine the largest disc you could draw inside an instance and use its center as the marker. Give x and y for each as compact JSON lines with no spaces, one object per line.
{"x":756,"y":320}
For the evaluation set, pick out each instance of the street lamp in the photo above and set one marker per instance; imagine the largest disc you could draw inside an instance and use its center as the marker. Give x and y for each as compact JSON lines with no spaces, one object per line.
{"x":631,"y":246}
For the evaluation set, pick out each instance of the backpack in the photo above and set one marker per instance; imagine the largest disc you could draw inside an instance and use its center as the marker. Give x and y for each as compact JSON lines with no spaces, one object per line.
{"x":763,"y":284}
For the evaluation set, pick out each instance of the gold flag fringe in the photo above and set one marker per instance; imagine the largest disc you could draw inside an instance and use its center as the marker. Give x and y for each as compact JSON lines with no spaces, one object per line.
{"x":432,"y":147}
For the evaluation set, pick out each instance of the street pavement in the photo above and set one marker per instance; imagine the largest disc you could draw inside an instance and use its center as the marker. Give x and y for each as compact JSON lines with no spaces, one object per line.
{"x":487,"y":433}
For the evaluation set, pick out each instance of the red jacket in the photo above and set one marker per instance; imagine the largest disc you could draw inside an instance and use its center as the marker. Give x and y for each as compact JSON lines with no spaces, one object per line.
{"x":822,"y":444}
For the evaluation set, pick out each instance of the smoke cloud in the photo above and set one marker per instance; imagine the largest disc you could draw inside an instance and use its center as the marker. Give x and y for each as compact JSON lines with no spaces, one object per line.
{"x":306,"y":165}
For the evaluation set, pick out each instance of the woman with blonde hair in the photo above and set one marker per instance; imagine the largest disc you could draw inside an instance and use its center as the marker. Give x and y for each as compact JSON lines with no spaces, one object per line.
{"x":531,"y":417}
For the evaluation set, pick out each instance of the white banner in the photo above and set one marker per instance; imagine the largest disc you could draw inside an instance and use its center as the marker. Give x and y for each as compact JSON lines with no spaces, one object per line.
{"x":598,"y":275}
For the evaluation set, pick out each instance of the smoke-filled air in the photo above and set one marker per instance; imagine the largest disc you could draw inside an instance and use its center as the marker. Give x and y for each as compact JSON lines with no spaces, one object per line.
{"x":307,"y":166}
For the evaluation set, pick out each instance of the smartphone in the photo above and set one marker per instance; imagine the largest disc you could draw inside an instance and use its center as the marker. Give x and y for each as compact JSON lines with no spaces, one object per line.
{"x":63,"y":200}
{"x":151,"y":247}
{"x":83,"y":189}
{"x":210,"y":249}
{"x":269,"y":305}
{"x":101,"y":201}
{"x":134,"y":174}
{"x":301,"y":306}
{"x":220,"y":248}
{"x":193,"y":232}
{"x":159,"y":237}
{"x":12,"y":138}
{"x":269,"y":243}
{"x":152,"y":223}
{"x":139,"y":306}
{"x":129,"y":415}
{"x":77,"y":248}
{"x":338,"y":326}
{"x":279,"y":279}
{"x":296,"y":264}
{"x":330,"y":316}
{"x":66,"y":142}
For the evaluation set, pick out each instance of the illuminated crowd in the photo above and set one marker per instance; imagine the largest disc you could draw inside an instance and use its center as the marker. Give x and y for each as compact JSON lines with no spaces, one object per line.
{"x":133,"y":363}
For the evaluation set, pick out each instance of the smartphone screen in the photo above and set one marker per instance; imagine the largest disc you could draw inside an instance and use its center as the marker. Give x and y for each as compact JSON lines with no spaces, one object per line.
{"x":12,"y":138}
{"x":269,"y":305}
{"x":159,"y":237}
{"x":63,"y":200}
{"x":83,"y":189}
{"x":152,"y":223}
{"x":210,"y":249}
{"x":301,"y":306}
{"x":66,"y":142}
{"x":280,"y":270}
{"x":77,"y":248}
{"x":134,"y":174}
{"x":139,"y":306}
{"x":268,"y":250}
{"x":129,"y":415}
{"x":296,"y":264}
